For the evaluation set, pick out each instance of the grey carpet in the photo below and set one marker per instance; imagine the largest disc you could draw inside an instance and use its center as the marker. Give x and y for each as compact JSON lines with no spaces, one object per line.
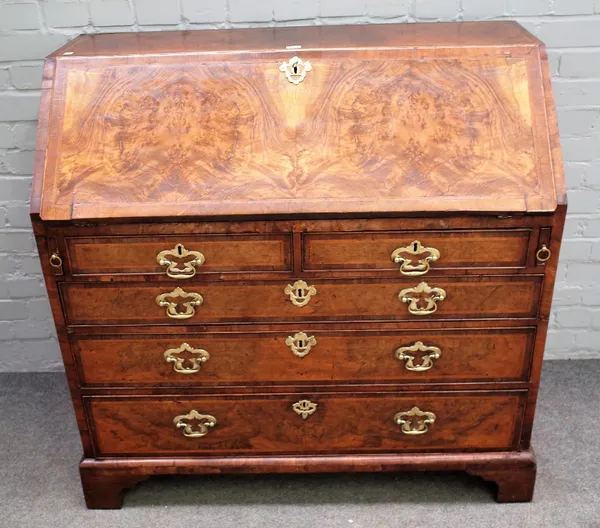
{"x":39,"y":482}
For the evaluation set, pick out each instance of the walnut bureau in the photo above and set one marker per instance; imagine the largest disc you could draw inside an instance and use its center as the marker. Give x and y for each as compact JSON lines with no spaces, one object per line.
{"x":307,"y":249}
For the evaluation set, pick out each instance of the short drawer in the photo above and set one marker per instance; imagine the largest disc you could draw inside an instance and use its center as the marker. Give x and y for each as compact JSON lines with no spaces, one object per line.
{"x":365,"y":299}
{"x":305,"y":423}
{"x":414,"y":253}
{"x":315,"y":355}
{"x":214,"y":253}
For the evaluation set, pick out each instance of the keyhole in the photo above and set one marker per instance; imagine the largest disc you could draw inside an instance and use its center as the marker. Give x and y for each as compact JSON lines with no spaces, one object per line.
{"x":300,"y":293}
{"x":300,"y":344}
{"x":415,"y":247}
{"x":180,"y":250}
{"x":295,"y":68}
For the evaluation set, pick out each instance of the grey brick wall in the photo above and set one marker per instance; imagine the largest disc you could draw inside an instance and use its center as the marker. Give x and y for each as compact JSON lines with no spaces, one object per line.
{"x":30,"y":29}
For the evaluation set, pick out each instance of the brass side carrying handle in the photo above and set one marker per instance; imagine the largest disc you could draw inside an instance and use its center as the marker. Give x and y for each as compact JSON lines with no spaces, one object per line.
{"x":55,"y":261}
{"x":543,"y":254}
{"x":404,"y":354}
{"x":194,"y":430}
{"x":177,"y":256}
{"x":199,"y":356}
{"x":172,"y":306}
{"x":415,"y":421}
{"x":405,"y":256}
{"x":422,"y":299}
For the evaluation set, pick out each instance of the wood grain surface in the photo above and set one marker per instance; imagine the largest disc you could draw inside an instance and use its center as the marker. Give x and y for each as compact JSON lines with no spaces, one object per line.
{"x":458,"y":249}
{"x":352,"y":300}
{"x":228,"y":253}
{"x":438,"y":35}
{"x":259,"y":424}
{"x":247,"y":358}
{"x":369,"y":130}
{"x":105,"y":480}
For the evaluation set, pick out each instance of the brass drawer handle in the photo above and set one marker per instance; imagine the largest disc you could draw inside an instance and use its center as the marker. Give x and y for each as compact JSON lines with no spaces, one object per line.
{"x":179,"y":252}
{"x":405,"y":257}
{"x":202,"y":423}
{"x":295,"y":69}
{"x":422,"y":293}
{"x":403,"y":354}
{"x":189,"y":306}
{"x":543,"y":254}
{"x":415,"y":421}
{"x":300,"y":344}
{"x":304,"y":408}
{"x":300,"y":292}
{"x":199,"y":356}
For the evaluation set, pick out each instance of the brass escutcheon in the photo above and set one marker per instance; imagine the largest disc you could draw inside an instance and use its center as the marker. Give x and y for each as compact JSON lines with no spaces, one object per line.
{"x":179,"y":252}
{"x":402,"y":256}
{"x":415,"y":421}
{"x":300,"y":292}
{"x":300,"y":344}
{"x":204,"y":422}
{"x":304,"y":408}
{"x":426,"y":359}
{"x":295,"y":69}
{"x":422,"y":292}
{"x":172,"y":356}
{"x":189,"y":306}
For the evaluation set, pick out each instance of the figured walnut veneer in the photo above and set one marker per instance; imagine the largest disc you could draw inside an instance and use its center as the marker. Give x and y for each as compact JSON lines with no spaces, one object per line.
{"x":383,"y":131}
{"x":412,"y":160}
{"x":346,"y":424}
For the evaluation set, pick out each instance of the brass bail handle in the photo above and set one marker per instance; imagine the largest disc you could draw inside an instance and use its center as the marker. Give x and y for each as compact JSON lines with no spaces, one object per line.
{"x":177,"y":266}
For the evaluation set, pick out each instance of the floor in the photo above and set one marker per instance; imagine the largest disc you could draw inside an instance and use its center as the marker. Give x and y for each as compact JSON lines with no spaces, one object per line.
{"x":39,"y":482}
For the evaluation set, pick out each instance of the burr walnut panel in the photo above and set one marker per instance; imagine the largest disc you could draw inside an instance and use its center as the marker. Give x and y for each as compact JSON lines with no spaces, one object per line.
{"x":469,"y":249}
{"x":246,"y":358}
{"x":135,"y":255}
{"x":370,"y":133}
{"x":471,"y":298}
{"x":340,"y":423}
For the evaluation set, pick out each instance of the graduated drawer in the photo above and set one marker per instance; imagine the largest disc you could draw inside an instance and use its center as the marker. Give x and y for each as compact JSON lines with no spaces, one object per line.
{"x":291,"y":423}
{"x":315,"y":355}
{"x":138,"y":255}
{"x":365,"y":299}
{"x":415,"y":253}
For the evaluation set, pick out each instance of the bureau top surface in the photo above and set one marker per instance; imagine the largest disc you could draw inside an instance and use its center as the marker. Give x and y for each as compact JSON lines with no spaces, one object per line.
{"x":372,"y":119}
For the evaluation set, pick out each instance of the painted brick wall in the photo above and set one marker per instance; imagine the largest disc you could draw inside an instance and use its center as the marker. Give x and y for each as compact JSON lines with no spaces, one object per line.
{"x":31,"y":29}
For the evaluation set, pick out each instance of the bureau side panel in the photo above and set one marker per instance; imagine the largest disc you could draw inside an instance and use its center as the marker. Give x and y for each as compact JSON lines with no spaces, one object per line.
{"x":63,"y":340}
{"x":552,"y":238}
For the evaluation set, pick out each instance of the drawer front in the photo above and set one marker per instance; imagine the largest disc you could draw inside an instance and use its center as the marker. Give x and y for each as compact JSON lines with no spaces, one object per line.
{"x":416,"y":252}
{"x":135,"y":255}
{"x":292,"y":423}
{"x":312,"y":356}
{"x":200,"y":303}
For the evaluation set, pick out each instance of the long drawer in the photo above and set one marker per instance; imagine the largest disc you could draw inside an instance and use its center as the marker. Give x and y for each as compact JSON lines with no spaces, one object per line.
{"x":307,"y":356}
{"x":200,"y":303}
{"x":305,"y":423}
